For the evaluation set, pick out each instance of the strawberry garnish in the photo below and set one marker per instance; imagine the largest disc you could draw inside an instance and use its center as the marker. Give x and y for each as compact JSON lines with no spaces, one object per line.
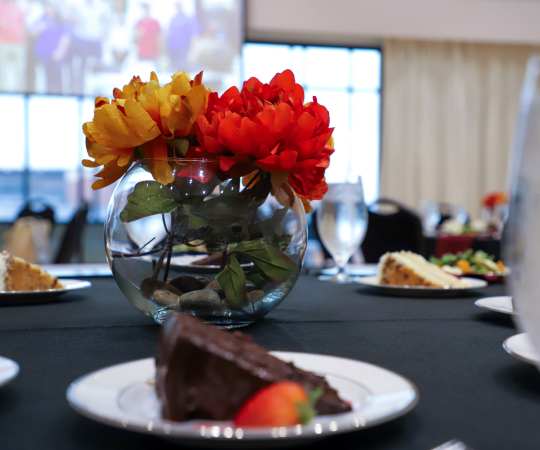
{"x":280,"y":404}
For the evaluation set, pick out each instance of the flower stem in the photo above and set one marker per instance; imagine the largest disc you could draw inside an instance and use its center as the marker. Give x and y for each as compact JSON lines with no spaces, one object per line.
{"x":253,"y":181}
{"x":224,"y":257}
{"x":170,"y":243}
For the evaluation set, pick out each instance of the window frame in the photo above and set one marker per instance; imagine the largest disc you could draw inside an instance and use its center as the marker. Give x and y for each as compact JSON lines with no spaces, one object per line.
{"x":25,"y":184}
{"x":350,"y":90}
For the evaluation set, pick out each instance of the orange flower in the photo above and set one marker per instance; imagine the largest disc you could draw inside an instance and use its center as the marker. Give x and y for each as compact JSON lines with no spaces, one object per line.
{"x":268,"y":127}
{"x":141,"y":121}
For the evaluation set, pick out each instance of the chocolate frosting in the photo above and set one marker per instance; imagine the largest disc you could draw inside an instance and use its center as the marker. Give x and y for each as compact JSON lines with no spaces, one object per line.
{"x":203,"y":372}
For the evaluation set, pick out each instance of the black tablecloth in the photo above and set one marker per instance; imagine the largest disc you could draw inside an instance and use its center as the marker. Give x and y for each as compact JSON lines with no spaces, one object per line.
{"x":469,"y":387}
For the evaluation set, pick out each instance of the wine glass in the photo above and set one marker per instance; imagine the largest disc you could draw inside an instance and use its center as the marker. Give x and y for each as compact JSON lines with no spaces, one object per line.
{"x":342,"y":223}
{"x":522,"y":246}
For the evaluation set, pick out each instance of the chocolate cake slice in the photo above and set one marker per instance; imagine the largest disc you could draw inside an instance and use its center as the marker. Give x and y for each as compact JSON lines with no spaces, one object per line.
{"x":204,"y":372}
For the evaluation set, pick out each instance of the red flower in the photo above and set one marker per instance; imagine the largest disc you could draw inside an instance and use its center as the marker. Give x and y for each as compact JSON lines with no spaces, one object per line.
{"x":267,"y":127}
{"x":494,"y":199}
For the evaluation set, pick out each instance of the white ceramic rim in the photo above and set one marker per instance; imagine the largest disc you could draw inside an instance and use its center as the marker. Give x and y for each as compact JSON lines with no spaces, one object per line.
{"x":9,"y":369}
{"x":474,"y":283}
{"x":70,"y":284}
{"x":501,"y":304}
{"x":391,"y":396}
{"x":521,"y":348}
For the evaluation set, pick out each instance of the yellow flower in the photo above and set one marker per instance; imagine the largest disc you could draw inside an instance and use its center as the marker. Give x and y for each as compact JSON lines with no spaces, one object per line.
{"x":144,"y":116}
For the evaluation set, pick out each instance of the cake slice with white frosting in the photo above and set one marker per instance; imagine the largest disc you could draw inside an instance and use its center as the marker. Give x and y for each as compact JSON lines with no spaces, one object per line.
{"x":16,"y":274}
{"x":410,"y":269}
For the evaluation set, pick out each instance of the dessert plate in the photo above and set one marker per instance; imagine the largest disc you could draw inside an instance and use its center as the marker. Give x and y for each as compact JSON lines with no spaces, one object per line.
{"x":355,"y":270}
{"x":373,"y":284}
{"x":8,"y":370}
{"x":93,"y":270}
{"x":501,"y":304}
{"x":69,"y":286}
{"x":123,"y":396}
{"x":520,"y":348}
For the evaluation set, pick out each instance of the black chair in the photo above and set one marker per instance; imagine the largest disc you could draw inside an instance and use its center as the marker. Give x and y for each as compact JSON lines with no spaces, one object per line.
{"x":38,"y":209}
{"x":391,"y":227}
{"x":71,"y":244}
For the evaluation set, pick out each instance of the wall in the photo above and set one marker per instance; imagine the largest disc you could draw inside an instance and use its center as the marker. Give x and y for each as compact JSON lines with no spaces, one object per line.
{"x":353,"y":22}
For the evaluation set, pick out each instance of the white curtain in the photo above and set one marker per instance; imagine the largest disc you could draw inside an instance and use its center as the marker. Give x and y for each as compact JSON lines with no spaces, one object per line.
{"x":448,"y":118}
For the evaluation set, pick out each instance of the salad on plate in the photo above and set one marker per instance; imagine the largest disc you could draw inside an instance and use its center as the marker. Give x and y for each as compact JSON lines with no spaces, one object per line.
{"x":472,"y":263}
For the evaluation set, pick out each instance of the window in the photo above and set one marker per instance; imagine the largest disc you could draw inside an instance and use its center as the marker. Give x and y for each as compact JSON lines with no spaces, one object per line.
{"x":54,"y":152}
{"x":12,"y":158}
{"x":348,"y":82}
{"x":41,"y":153}
{"x":42,"y":142}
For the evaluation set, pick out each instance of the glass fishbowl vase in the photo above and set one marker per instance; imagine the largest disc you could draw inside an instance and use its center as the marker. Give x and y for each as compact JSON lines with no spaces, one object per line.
{"x":222,"y":249}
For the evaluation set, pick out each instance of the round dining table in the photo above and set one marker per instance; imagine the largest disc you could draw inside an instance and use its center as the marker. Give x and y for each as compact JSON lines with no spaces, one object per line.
{"x":469,"y":388}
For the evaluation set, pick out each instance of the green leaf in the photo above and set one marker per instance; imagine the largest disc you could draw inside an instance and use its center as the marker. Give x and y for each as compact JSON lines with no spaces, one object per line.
{"x":314,"y":395}
{"x":269,"y":226}
{"x":232,"y":280}
{"x":306,"y":410}
{"x":192,"y":221}
{"x":180,"y":146}
{"x":257,"y":278}
{"x":269,"y":260}
{"x":146,"y":199}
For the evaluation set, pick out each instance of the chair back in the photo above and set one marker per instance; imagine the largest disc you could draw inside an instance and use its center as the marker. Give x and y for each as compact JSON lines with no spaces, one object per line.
{"x":391,"y":227}
{"x":38,"y":209}
{"x":71,"y":244}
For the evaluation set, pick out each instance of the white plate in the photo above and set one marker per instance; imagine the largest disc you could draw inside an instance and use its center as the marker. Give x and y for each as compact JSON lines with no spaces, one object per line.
{"x":123,"y":396}
{"x":78,"y":270}
{"x":359,"y":270}
{"x":187,"y":262}
{"x":501,"y":304}
{"x":69,"y":286}
{"x":8,"y":370}
{"x":420,"y":291}
{"x":520,"y":348}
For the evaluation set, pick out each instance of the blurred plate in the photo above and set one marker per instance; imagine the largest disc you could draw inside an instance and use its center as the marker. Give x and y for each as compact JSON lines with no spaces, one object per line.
{"x":372,"y":283}
{"x":501,"y":304}
{"x":8,"y":370}
{"x":491,"y":278}
{"x":78,"y":270}
{"x":187,"y":262}
{"x":123,"y":396}
{"x":520,"y":348}
{"x":355,"y":270}
{"x":70,"y":285}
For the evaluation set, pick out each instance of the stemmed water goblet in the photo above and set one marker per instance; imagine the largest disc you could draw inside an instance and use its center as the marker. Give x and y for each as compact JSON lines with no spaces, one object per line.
{"x":342,"y":223}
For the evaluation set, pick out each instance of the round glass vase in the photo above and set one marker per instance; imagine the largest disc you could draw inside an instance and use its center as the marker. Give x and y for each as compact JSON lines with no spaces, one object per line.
{"x":223,"y":250}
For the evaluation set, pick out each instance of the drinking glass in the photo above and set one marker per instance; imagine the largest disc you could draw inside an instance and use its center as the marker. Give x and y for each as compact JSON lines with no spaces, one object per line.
{"x":342,"y":223}
{"x":522,"y":244}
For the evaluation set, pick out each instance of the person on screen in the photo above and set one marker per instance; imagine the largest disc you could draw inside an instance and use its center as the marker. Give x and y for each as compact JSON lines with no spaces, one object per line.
{"x":12,"y":46}
{"x":182,"y":29}
{"x":90,"y":20}
{"x":33,"y":12}
{"x":51,"y":47}
{"x":148,"y":34}
{"x":119,"y":40}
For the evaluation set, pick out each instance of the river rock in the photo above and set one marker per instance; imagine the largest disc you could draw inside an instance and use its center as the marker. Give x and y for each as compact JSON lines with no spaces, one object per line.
{"x":214,"y":285}
{"x":166,"y":298}
{"x":185,"y":283}
{"x":203,"y":298}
